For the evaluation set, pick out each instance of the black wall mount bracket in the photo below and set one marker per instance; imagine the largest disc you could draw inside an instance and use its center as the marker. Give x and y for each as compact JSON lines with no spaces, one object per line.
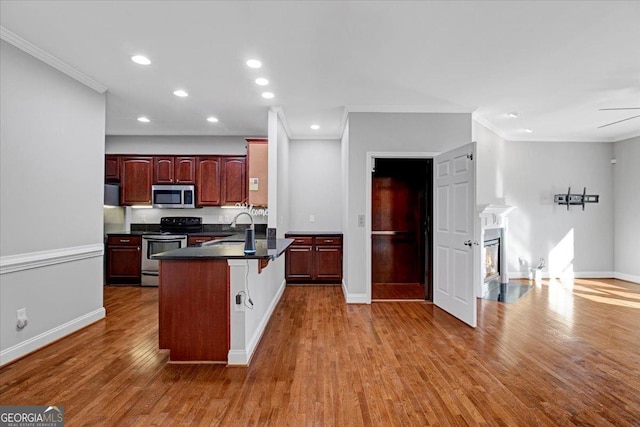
{"x":575,"y":199}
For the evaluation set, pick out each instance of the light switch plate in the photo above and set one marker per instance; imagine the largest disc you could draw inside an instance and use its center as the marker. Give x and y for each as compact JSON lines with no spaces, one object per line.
{"x":253,"y":184}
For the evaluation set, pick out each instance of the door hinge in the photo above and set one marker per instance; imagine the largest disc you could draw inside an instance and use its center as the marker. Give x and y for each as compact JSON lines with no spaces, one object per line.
{"x":470,"y":156}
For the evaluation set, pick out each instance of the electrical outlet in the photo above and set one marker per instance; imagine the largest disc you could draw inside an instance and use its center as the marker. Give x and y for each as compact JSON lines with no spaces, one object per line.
{"x":312,"y":218}
{"x":22,"y":320}
{"x":361,"y":221}
{"x":239,"y":306}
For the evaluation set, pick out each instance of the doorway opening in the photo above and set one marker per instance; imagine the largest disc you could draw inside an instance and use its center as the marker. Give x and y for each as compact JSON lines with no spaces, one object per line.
{"x":401,"y":241}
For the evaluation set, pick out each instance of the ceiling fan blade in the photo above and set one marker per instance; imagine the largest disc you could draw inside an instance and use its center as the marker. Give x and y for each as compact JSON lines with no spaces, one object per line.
{"x":623,"y":108}
{"x":619,"y":121}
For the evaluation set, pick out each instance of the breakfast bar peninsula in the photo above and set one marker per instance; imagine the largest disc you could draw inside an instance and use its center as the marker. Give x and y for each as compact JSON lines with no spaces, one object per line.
{"x":215,"y":300}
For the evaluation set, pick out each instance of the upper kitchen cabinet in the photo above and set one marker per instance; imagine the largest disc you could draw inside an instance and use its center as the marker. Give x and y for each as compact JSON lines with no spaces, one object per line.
{"x":234,"y":183}
{"x":220,"y":180}
{"x":185,"y":170}
{"x":208,"y":181}
{"x":174,"y":170}
{"x":136,"y":176}
{"x":111,"y":168}
{"x":258,"y":171}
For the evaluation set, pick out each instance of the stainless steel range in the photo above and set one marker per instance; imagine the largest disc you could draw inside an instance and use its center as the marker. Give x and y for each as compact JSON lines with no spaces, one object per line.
{"x":173,"y":235}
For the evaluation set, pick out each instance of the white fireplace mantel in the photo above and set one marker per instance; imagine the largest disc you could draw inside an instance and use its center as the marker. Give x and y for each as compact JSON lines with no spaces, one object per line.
{"x":493,"y":216}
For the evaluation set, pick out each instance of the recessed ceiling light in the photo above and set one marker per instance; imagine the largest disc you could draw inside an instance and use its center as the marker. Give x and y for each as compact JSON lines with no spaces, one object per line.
{"x":261,"y":81}
{"x":267,"y":95}
{"x":142,"y":60}
{"x":513,"y":114}
{"x":181,"y":93}
{"x":212,"y":119}
{"x":254,"y":63}
{"x":143,"y":119}
{"x":527,"y":130}
{"x":315,"y":127}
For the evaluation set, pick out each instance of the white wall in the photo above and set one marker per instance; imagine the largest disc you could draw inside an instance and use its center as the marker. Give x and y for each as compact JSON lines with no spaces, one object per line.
{"x":626,"y":184}
{"x":187,"y":145}
{"x":282,"y":180}
{"x":528,"y":175}
{"x":385,"y":132}
{"x":314,"y":182}
{"x":344,"y":194}
{"x":51,"y":174}
{"x":490,"y":149}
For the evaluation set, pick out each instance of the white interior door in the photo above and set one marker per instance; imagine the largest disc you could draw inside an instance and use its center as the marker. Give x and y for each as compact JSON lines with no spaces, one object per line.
{"x":455,"y":201}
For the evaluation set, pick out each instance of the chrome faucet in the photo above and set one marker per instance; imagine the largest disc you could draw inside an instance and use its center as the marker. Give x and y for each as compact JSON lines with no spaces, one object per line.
{"x":249,"y":234}
{"x":233,"y":223}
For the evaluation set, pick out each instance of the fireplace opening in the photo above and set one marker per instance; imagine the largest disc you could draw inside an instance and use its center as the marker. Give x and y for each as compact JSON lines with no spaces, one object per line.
{"x":492,"y":259}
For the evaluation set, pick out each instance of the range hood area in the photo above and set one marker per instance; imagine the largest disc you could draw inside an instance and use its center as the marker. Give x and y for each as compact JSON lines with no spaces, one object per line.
{"x":112,"y":194}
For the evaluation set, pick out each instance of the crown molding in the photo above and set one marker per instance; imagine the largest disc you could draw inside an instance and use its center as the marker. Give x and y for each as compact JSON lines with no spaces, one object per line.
{"x":49,"y":59}
{"x":632,"y":134}
{"x":486,"y":123}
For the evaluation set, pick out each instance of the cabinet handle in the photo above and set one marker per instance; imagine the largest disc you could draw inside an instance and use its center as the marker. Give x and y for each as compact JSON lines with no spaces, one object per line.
{"x":125,"y":241}
{"x":328,"y":241}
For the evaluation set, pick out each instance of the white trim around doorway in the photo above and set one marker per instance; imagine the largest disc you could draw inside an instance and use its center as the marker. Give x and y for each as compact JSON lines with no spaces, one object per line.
{"x":370,"y":157}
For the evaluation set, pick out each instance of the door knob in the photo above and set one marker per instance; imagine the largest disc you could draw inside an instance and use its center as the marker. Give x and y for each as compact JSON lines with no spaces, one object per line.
{"x":468,"y":243}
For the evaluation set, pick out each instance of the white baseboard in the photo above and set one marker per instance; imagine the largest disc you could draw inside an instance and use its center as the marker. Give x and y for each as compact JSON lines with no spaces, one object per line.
{"x":627,"y":277}
{"x":583,"y":275}
{"x":32,"y":344}
{"x":354,"y":298}
{"x":19,"y":262}
{"x":243,"y":357}
{"x":594,"y":275}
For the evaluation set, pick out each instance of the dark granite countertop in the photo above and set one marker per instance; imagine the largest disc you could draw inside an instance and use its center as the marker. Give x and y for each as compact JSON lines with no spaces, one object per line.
{"x":226,"y":250}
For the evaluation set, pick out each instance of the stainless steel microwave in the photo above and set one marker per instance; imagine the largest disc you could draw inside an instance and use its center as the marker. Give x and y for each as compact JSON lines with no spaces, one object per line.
{"x":173,"y":196}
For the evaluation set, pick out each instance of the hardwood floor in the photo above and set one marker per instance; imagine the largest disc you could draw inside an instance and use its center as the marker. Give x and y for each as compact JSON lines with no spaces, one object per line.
{"x":565,"y":354}
{"x":397,"y":291}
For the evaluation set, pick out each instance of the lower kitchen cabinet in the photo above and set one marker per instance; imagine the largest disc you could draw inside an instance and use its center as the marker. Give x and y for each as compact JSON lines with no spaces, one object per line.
{"x":314,"y":258}
{"x":124,"y":257}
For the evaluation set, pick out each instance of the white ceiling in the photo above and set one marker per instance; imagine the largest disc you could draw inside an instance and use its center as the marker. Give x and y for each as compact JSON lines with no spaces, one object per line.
{"x":556,"y":63}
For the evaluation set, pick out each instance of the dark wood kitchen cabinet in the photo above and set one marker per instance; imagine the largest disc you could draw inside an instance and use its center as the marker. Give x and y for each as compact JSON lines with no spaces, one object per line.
{"x":174,"y":170}
{"x":234,"y":184}
{"x":208,"y":181}
{"x":314,"y":258}
{"x":299,"y":259}
{"x":111,"y":168}
{"x":220,"y":180}
{"x":136,"y":177}
{"x":124,"y":256}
